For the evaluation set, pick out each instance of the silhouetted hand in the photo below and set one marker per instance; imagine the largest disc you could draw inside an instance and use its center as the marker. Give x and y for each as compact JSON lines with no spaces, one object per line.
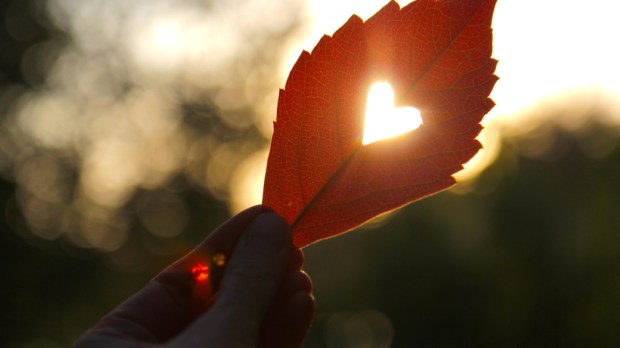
{"x":264,"y":299}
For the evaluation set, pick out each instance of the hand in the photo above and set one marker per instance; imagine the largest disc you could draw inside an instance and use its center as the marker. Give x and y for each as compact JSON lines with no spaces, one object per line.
{"x":264,"y":299}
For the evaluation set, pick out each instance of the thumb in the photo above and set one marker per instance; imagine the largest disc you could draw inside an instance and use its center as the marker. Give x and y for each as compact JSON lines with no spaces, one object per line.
{"x":251,"y":281}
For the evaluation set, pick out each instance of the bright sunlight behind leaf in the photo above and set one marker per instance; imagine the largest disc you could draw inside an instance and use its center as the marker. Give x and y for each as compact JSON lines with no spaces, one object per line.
{"x":320,"y":178}
{"x":382,"y":119}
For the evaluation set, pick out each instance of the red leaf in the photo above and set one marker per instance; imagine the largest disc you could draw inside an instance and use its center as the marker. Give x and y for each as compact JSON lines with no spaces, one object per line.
{"x":436,"y":55}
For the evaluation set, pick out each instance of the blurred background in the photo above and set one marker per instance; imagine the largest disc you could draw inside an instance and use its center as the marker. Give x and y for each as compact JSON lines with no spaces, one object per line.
{"x":130,"y":129}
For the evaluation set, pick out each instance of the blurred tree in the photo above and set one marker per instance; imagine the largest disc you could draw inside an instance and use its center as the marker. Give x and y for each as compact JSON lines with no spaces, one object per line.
{"x":527,"y":258}
{"x":117,"y":144}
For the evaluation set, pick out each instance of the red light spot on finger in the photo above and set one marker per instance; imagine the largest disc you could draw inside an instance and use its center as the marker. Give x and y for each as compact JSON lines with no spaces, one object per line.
{"x":200,"y":272}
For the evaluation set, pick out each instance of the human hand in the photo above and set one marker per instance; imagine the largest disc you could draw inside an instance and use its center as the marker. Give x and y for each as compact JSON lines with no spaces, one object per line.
{"x":264,"y":299}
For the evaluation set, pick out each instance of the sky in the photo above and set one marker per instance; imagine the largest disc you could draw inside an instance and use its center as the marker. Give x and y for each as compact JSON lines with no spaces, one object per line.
{"x":544,"y":47}
{"x":549,"y":52}
{"x":117,"y":92}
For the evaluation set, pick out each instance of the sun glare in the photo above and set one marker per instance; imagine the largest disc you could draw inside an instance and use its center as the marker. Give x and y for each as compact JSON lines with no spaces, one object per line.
{"x":382,"y":119}
{"x":537,"y":63}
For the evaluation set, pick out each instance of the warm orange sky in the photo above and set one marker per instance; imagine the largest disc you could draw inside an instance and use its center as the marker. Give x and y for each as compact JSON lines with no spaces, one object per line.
{"x":544,"y":47}
{"x":547,"y":50}
{"x":551,"y":53}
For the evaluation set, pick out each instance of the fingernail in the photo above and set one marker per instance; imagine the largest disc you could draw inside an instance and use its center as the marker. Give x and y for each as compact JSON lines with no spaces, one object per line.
{"x":268,"y":232}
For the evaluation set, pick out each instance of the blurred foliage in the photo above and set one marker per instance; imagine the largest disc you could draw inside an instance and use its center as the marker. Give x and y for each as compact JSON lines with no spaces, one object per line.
{"x":525,"y":255}
{"x":126,"y":105}
{"x":527,"y":259}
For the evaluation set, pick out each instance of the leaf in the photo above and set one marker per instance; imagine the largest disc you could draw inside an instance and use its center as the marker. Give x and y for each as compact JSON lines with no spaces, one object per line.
{"x":436,"y":55}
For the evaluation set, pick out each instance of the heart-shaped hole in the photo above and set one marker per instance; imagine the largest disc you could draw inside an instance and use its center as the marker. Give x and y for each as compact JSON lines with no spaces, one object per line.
{"x":382,"y":119}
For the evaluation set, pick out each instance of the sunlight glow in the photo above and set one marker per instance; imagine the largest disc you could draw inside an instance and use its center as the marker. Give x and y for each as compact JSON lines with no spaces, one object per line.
{"x":538,"y":63}
{"x":382,"y":119}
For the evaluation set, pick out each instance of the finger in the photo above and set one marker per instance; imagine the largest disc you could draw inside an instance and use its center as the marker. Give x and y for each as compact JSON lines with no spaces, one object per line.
{"x":167,"y":304}
{"x":298,"y":281}
{"x":151,"y":315}
{"x":221,"y":241}
{"x":294,"y":282}
{"x":289,"y":318}
{"x":297,"y":260}
{"x":253,"y":277}
{"x":219,"y":244}
{"x":289,"y":326}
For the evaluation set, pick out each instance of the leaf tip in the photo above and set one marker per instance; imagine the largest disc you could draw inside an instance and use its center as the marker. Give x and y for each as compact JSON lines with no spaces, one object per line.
{"x":355,"y":19}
